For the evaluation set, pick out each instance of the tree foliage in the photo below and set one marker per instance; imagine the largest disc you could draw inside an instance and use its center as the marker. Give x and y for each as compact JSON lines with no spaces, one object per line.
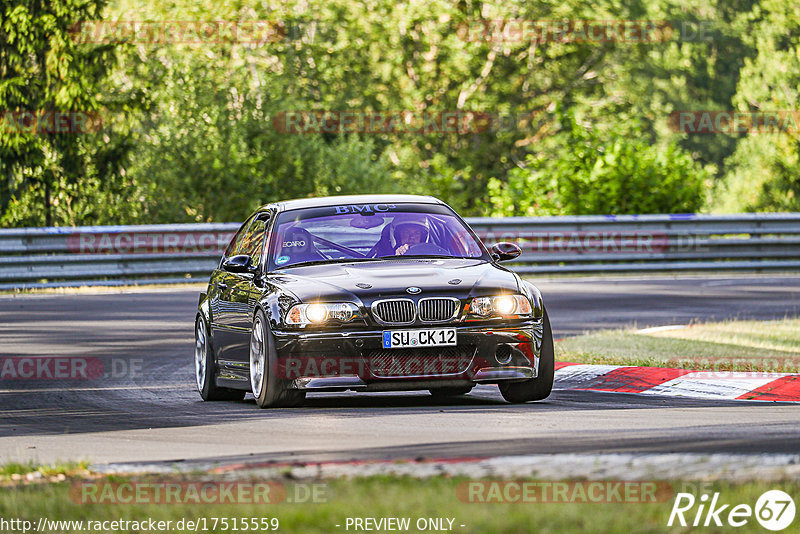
{"x":764,"y":170}
{"x":50,"y":176}
{"x":594,"y":174}
{"x":189,"y":135}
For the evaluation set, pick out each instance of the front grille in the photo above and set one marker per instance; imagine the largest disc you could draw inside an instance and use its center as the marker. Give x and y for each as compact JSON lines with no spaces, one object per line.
{"x":441,"y":361}
{"x":437,"y":309}
{"x":395,"y":311}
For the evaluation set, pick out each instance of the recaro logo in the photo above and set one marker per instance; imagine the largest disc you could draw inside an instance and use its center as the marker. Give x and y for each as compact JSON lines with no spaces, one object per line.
{"x":774,"y":510}
{"x":289,"y":244}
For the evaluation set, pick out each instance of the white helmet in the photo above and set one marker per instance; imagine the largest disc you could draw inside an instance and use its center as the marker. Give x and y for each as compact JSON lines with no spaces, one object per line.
{"x":414,"y":220}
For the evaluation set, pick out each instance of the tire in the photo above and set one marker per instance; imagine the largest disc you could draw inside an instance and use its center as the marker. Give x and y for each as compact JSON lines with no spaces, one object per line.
{"x":450,"y":391}
{"x":205,"y":367}
{"x":538,"y":388}
{"x":269,"y":390}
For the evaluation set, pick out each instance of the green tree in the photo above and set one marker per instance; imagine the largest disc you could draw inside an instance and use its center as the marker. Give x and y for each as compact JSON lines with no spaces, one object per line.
{"x":595,"y":175}
{"x":189,"y":134}
{"x":51,"y":177}
{"x":206,"y":145}
{"x":764,"y":172}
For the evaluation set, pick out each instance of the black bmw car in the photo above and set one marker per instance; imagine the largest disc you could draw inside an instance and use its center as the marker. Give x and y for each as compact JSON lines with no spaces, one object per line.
{"x":368,"y":293}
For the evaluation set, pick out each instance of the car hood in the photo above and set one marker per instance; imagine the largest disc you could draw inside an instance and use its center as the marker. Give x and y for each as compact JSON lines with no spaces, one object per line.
{"x":367,"y":281}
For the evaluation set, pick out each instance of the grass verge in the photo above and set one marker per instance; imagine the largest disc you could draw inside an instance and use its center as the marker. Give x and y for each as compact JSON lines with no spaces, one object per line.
{"x":12,"y":472}
{"x":769,"y":346}
{"x":400,"y":497}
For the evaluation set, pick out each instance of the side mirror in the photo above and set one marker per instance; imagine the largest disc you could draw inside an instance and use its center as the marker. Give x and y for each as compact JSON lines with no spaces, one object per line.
{"x":241,"y":263}
{"x":505,"y":251}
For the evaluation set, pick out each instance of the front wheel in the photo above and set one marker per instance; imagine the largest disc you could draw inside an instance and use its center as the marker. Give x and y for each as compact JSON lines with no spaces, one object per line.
{"x":269,"y":390}
{"x":204,"y":367}
{"x":540,"y":387}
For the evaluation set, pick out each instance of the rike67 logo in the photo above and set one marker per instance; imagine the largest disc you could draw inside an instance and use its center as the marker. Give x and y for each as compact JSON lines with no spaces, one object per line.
{"x":774,"y":510}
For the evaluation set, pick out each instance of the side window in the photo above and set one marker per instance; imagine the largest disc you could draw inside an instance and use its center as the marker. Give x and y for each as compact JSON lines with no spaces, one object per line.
{"x":236,"y":241}
{"x":253,"y":241}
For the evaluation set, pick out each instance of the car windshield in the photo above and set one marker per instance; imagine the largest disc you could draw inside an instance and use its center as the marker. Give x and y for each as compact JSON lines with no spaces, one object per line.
{"x":365,"y":232}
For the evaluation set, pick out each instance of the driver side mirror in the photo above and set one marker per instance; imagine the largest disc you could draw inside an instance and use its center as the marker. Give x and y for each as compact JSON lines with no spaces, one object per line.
{"x":241,"y":263}
{"x":505,"y":251}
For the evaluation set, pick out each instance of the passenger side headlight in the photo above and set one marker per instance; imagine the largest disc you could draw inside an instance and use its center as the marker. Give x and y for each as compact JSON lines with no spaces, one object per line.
{"x":508,"y":306}
{"x":319,"y":313}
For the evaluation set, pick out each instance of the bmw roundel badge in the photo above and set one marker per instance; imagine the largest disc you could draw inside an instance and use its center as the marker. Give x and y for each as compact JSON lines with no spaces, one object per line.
{"x":413,"y":290}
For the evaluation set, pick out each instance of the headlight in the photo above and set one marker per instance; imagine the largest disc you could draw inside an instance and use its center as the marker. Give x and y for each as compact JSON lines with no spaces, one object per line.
{"x":500,"y":306}
{"x":321,"y":313}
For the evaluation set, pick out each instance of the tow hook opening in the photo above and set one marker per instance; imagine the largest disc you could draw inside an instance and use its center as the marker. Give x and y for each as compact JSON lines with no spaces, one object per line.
{"x":503,"y":354}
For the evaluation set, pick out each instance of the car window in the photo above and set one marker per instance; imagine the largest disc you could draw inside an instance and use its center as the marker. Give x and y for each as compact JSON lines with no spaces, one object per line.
{"x":253,"y":241}
{"x":362,"y":232}
{"x":338,"y":230}
{"x":236,"y":240}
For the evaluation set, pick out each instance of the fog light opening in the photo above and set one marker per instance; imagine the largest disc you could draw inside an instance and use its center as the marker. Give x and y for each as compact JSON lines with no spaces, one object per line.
{"x":503,"y":354}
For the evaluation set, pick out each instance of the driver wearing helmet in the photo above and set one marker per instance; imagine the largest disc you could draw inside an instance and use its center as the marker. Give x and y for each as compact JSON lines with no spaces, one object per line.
{"x":405,"y":231}
{"x":407,"y":234}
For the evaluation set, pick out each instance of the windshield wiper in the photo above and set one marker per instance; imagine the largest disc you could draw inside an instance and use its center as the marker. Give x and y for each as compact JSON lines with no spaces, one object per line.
{"x":415,"y":256}
{"x":322,"y":262}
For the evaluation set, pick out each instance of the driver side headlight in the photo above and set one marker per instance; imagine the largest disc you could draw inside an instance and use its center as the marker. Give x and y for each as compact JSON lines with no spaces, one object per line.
{"x":506,"y":306}
{"x":318,"y":313}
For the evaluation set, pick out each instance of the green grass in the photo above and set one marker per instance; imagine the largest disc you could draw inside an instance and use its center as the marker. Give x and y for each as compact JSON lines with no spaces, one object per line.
{"x":726,"y":346}
{"x":13,"y":470}
{"x":392,"y":497}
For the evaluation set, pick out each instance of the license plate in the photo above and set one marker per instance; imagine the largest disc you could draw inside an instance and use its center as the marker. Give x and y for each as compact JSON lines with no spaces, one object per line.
{"x":433,"y":337}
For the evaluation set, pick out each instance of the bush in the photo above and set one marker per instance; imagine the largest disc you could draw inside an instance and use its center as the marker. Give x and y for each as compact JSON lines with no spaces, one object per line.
{"x":579,"y":173}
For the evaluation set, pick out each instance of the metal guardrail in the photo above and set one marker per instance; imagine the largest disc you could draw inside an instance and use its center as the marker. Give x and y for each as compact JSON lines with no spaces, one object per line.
{"x":111,"y":255}
{"x":641,"y":243}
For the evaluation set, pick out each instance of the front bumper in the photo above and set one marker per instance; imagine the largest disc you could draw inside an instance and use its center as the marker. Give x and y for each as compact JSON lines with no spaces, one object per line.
{"x":356,"y":360}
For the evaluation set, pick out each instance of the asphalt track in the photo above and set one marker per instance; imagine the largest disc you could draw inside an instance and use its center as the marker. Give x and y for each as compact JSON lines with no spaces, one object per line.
{"x":150,"y":412}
